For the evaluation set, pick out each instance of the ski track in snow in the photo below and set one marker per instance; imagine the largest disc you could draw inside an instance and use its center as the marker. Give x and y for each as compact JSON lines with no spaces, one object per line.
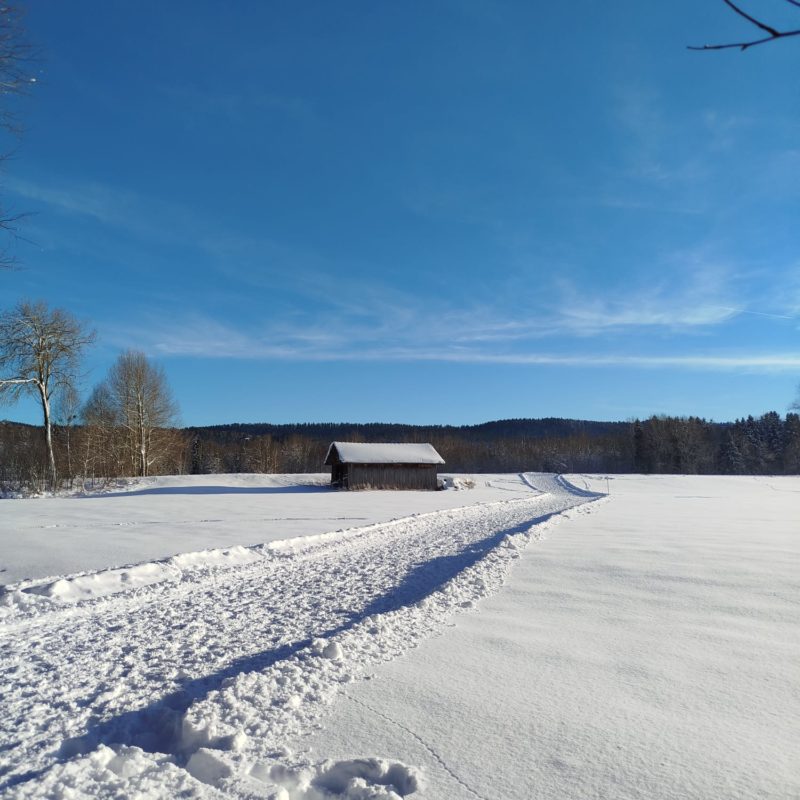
{"x":436,"y":756}
{"x":195,"y":681}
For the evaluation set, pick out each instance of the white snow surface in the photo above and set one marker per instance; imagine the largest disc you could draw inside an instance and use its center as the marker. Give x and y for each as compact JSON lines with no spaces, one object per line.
{"x":189,"y":676}
{"x":385,"y":453}
{"x":650,"y":650}
{"x":154,"y":518}
{"x":646,"y":647}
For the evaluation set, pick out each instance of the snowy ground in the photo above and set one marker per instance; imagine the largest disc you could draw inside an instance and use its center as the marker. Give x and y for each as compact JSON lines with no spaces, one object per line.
{"x":646,"y":647}
{"x":650,"y":650}
{"x":148,"y":519}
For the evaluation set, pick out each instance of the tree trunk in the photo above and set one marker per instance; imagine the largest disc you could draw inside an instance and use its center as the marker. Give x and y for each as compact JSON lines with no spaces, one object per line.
{"x":69,"y":457}
{"x":142,"y":446}
{"x":48,"y":435}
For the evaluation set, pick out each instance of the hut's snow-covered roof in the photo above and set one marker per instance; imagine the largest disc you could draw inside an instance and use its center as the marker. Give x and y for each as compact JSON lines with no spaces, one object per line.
{"x":368,"y":453}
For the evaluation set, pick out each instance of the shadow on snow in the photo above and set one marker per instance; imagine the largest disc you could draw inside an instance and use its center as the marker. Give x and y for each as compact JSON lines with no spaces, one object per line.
{"x":157,"y":726}
{"x":169,"y":490}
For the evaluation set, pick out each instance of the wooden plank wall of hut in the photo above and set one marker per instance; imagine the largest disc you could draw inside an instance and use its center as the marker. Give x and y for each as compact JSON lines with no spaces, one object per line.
{"x":392,"y":476}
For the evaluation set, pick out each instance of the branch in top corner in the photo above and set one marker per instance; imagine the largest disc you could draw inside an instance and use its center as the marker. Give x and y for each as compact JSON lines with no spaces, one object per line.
{"x":774,"y":33}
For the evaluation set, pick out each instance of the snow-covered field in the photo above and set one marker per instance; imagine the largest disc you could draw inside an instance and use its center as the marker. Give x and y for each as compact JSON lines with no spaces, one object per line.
{"x":645,"y":647}
{"x":153,"y":518}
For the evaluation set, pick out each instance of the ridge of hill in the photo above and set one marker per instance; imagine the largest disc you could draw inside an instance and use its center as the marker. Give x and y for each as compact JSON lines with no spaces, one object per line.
{"x":546,"y":427}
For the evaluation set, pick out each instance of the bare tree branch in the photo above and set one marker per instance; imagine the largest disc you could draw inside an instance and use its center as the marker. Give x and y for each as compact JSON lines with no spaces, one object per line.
{"x":15,"y":381}
{"x":774,"y":33}
{"x":744,"y":45}
{"x":770,"y":30}
{"x":16,"y":61}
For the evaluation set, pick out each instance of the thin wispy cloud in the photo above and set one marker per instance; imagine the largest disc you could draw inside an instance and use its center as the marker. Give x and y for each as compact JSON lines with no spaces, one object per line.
{"x":201,"y":337}
{"x":150,"y":223}
{"x":694,"y":294}
{"x":789,"y":362}
{"x":357,"y":321}
{"x":265,"y":263}
{"x":89,"y":200}
{"x":149,"y":218}
{"x":354,"y":320}
{"x":766,"y":314}
{"x":612,"y":315}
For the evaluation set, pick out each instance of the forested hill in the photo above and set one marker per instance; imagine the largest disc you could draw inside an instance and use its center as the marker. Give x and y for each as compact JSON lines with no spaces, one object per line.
{"x":554,"y":427}
{"x":766,"y":445}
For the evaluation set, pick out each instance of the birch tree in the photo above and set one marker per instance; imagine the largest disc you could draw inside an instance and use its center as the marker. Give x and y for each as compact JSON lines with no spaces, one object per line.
{"x":40,"y":354}
{"x":141,"y":405}
{"x":102,"y":452}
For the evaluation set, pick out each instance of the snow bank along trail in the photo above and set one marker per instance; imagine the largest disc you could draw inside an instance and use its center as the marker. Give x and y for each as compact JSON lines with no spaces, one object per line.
{"x":193,"y":685}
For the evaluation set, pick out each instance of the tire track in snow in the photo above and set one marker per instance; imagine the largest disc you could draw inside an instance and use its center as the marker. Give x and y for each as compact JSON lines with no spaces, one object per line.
{"x":222,"y":657}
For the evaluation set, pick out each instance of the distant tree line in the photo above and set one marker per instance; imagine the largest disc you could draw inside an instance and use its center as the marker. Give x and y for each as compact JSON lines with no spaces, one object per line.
{"x":661,"y":444}
{"x":767,"y":445}
{"x":105,"y":444}
{"x":553,"y":445}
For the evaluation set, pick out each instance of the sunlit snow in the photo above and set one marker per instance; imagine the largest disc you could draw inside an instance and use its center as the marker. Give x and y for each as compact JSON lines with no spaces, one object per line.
{"x":454,"y":644}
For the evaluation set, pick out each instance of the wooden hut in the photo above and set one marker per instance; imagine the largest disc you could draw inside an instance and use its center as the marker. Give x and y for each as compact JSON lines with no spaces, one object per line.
{"x":357,"y":465}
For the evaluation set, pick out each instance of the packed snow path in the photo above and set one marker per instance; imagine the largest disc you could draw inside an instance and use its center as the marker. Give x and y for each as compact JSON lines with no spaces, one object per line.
{"x":217,"y":667}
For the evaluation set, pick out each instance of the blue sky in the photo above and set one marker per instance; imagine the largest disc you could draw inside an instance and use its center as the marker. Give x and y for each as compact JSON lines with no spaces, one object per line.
{"x":440,"y":212}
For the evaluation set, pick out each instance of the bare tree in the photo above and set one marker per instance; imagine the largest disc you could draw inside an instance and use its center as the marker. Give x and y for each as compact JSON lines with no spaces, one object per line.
{"x":773,"y":34}
{"x":16,"y":57}
{"x":40,"y":352}
{"x":101,"y":446}
{"x":67,"y":410}
{"x":136,"y":398}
